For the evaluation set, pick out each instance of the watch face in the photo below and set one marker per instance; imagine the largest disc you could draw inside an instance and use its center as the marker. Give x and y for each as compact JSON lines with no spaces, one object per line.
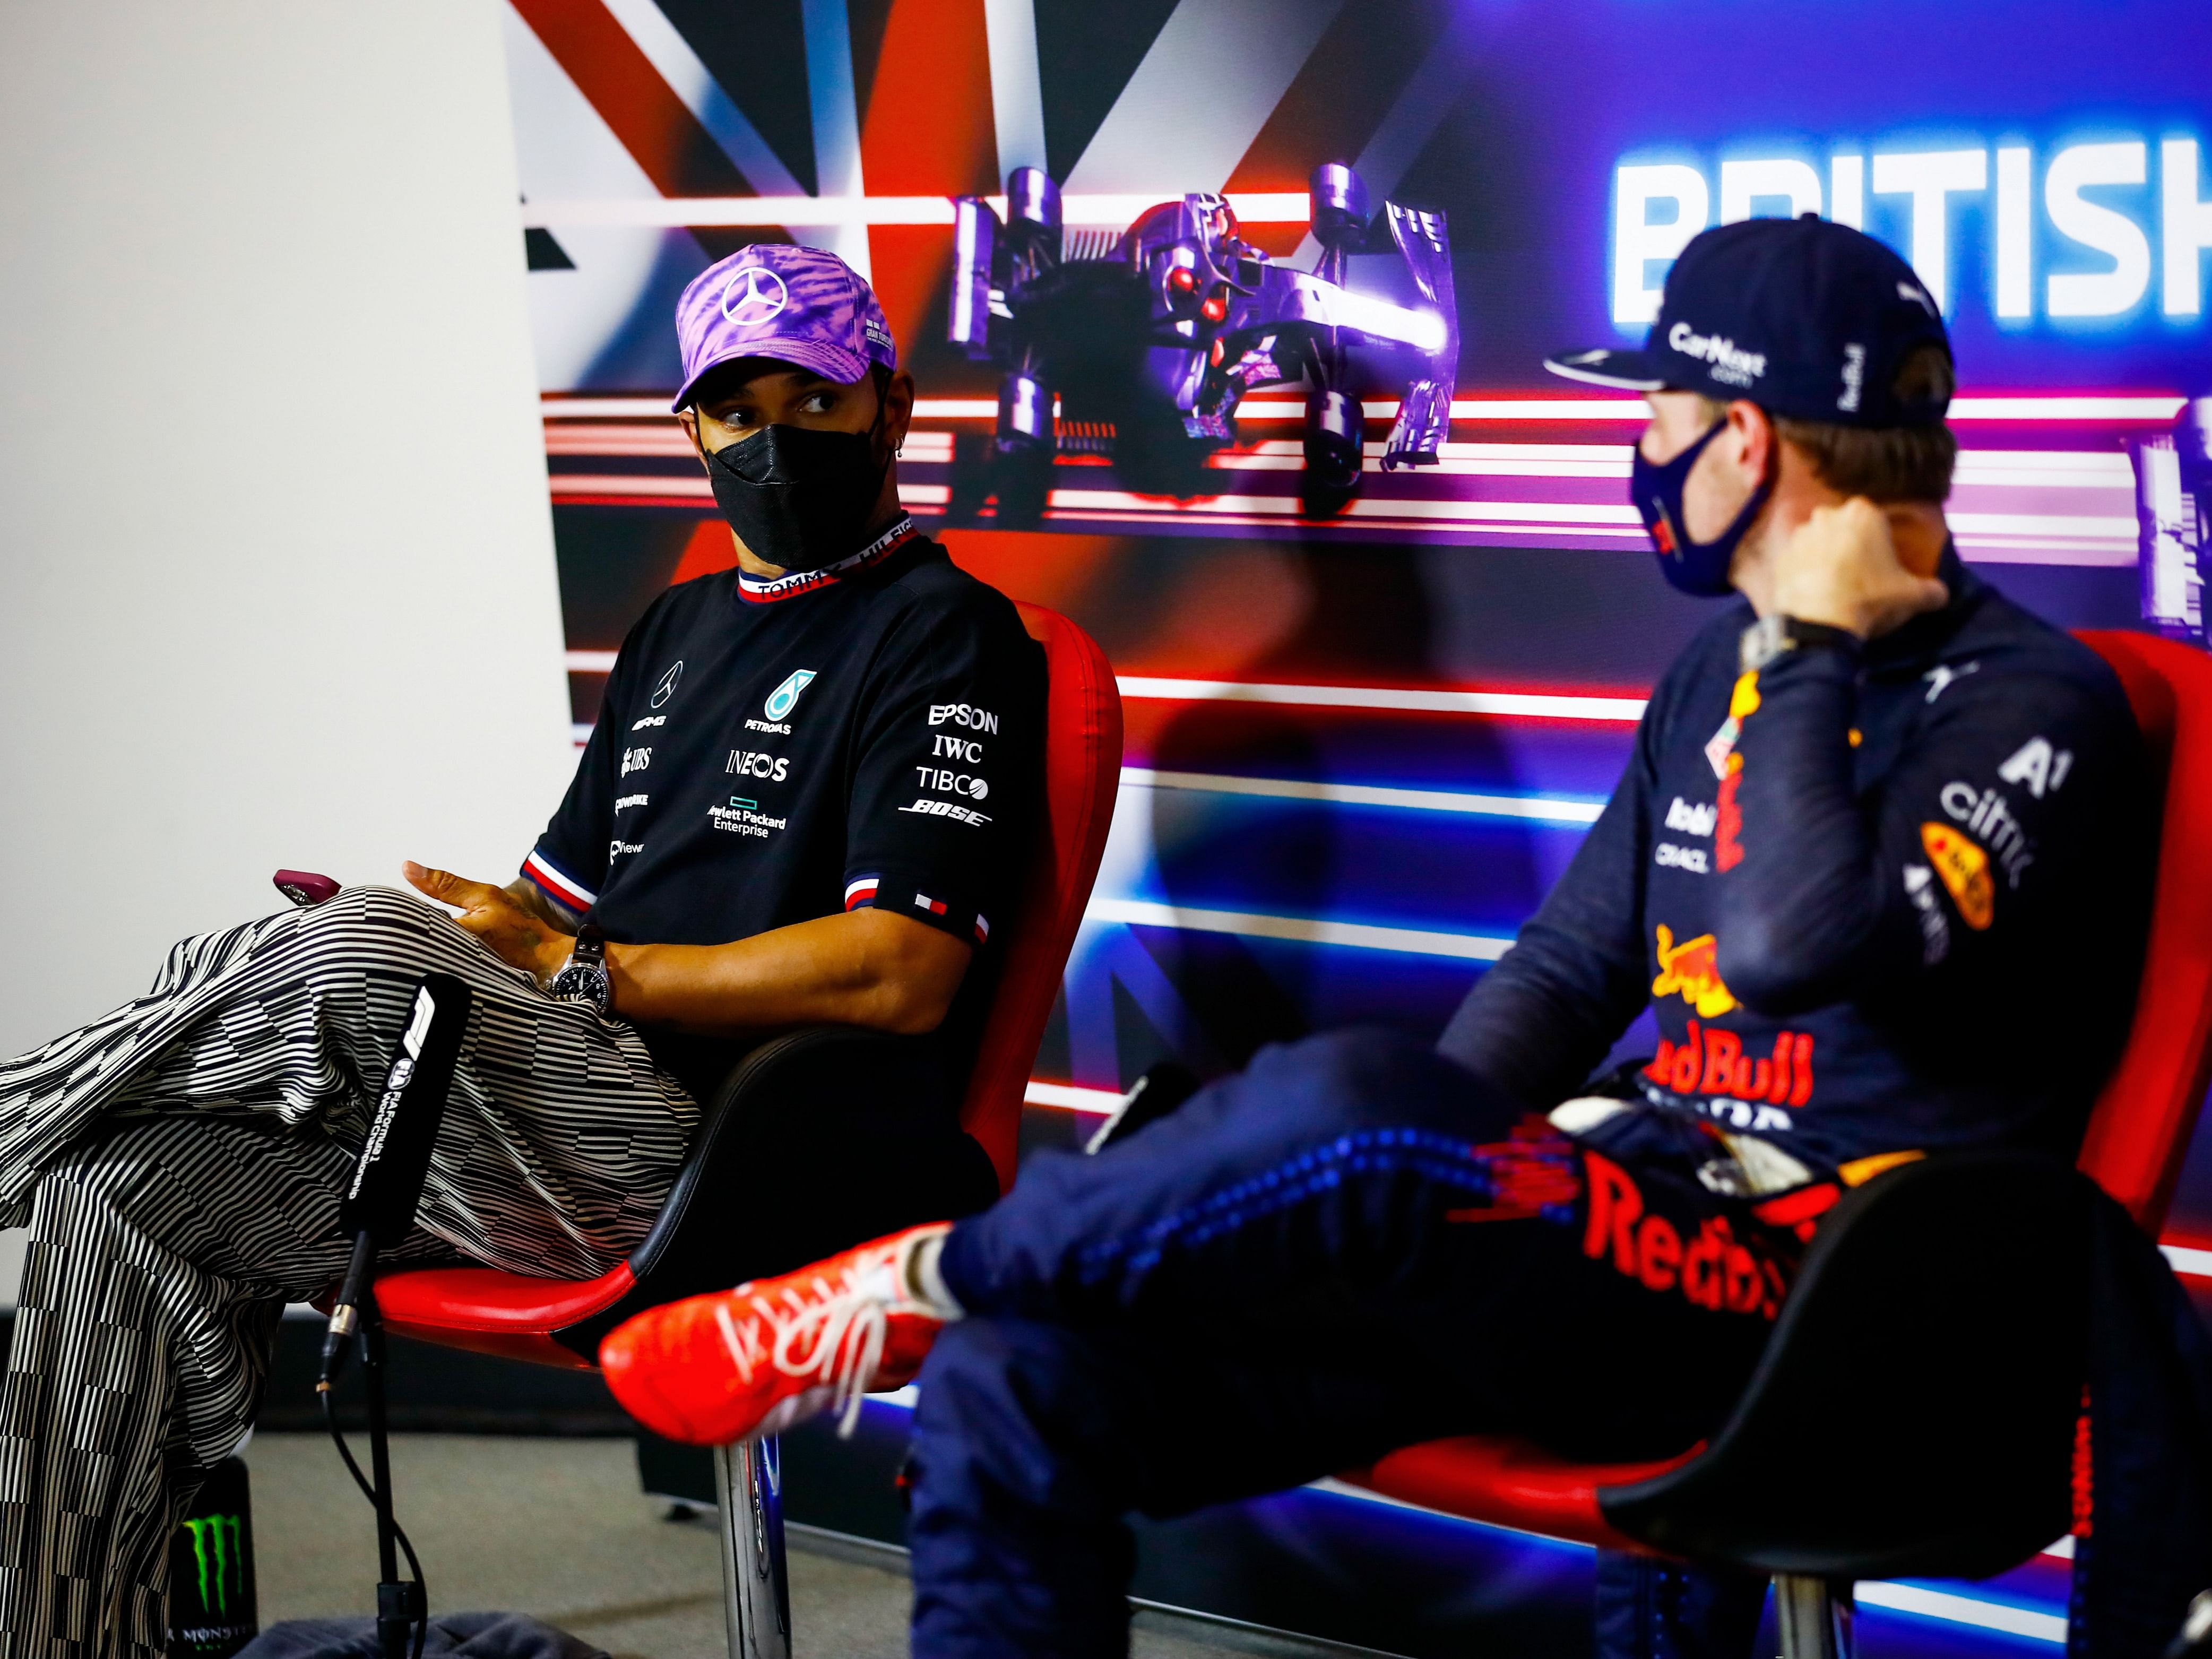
{"x":581,"y":982}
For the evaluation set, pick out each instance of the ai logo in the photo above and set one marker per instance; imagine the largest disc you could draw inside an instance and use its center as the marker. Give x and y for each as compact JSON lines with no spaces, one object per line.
{"x":667,"y":689}
{"x":781,"y":700}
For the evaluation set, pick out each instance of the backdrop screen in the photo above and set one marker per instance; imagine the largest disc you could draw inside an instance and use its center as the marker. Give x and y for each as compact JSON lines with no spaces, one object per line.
{"x":1371,"y":714}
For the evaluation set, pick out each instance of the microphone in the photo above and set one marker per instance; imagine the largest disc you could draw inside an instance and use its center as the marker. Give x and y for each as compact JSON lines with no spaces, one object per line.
{"x":380,"y":1204}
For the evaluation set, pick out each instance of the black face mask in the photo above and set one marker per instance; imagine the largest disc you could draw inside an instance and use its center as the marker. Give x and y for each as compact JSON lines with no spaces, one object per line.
{"x":799,"y":497}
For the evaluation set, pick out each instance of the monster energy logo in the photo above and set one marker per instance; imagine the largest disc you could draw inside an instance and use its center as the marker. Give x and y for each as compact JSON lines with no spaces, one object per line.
{"x":208,"y":1540}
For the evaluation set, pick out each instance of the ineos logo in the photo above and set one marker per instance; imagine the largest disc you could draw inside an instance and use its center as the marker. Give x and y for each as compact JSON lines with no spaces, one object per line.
{"x":667,"y":689}
{"x":763,"y":299}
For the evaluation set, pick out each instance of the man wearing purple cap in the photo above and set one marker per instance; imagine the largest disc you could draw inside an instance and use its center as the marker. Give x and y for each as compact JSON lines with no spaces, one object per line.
{"x":803,"y":803}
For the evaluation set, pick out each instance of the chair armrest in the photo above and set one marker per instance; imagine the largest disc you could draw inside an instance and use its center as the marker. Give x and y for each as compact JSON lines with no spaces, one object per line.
{"x":1913,"y":1413}
{"x":816,"y":1140}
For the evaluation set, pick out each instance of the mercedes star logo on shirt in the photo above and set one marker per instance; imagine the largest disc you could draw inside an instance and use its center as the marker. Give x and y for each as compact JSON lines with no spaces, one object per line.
{"x":667,"y":689}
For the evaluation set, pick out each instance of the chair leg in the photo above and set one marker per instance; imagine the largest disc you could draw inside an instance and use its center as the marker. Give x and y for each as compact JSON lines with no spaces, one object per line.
{"x":755,"y":1590}
{"x":1816,"y":1618}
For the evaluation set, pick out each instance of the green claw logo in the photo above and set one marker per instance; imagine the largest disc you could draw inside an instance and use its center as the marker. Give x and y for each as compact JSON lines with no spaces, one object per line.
{"x":207,"y":1538}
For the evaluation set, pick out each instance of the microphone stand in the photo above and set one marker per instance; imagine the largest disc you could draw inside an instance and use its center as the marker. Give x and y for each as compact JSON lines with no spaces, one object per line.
{"x":378,"y":1209}
{"x":400,"y":1605}
{"x":399,"y":1602}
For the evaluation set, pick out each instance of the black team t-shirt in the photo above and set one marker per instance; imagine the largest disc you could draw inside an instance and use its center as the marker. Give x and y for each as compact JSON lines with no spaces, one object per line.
{"x":769,"y":752}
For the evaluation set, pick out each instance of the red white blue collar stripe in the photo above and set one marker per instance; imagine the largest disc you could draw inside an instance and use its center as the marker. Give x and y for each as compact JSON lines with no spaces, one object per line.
{"x":759,"y":591}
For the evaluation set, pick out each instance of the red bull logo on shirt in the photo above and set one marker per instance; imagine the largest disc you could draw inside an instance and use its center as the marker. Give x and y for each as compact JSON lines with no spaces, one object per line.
{"x":1713,"y":1062}
{"x":1692,"y":971}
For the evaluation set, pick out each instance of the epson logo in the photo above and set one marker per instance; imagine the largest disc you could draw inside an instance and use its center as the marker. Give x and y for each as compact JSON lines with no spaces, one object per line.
{"x":1723,"y":361}
{"x":961,"y":714}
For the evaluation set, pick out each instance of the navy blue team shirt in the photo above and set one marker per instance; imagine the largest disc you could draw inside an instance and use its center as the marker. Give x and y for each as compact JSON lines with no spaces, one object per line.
{"x":1878,"y":900}
{"x":768,"y":752}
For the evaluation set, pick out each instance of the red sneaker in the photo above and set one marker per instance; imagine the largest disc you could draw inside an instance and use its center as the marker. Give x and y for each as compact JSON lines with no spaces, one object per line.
{"x":738,"y":1365}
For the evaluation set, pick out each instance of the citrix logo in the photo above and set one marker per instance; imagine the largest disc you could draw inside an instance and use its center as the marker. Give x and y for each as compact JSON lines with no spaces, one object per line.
{"x":228,"y":1560}
{"x":745,"y":763}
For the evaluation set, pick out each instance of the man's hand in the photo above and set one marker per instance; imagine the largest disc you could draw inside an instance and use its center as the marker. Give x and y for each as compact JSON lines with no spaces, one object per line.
{"x":1841,"y":569}
{"x":510,"y":933}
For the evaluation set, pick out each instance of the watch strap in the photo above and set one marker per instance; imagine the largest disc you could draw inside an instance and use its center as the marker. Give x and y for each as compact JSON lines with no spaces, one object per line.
{"x":1772,"y":635}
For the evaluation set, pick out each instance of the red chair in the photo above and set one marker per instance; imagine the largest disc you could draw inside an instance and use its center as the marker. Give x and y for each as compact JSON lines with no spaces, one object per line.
{"x":840,"y":1084}
{"x":1981,"y":1490}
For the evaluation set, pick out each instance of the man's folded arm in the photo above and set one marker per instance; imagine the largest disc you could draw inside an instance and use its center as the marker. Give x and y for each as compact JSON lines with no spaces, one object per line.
{"x":1825,"y":892}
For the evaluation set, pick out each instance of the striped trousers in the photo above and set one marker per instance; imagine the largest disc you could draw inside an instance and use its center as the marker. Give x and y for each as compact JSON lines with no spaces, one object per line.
{"x":178,"y":1162}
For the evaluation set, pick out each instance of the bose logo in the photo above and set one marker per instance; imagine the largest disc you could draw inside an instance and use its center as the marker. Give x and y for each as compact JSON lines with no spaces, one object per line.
{"x":1719,"y":354}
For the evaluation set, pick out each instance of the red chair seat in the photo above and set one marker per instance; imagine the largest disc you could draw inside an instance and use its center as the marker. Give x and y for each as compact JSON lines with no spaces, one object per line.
{"x":1510,"y":1483}
{"x":512,"y":1316}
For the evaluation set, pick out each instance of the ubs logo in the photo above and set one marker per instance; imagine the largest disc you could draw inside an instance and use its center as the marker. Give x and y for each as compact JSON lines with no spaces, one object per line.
{"x":667,"y":689}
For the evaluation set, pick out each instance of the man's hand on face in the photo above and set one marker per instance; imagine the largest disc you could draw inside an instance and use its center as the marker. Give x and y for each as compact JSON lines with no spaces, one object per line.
{"x":1840,"y":568}
{"x":507,"y":931}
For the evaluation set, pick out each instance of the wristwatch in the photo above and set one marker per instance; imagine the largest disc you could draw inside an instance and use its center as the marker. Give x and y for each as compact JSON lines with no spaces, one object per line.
{"x":583,"y":977}
{"x":1770,"y":636}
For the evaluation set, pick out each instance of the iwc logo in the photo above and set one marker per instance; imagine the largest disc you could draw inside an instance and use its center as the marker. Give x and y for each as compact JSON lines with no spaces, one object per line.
{"x":781,"y":700}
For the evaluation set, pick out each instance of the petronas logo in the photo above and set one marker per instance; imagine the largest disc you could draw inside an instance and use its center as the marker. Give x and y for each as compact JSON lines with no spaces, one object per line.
{"x":216,"y":1549}
{"x":781,"y":700}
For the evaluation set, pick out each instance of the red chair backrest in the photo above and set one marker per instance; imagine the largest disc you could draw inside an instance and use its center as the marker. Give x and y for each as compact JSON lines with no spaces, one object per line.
{"x":1081,"y":775}
{"x":2139,"y":1132}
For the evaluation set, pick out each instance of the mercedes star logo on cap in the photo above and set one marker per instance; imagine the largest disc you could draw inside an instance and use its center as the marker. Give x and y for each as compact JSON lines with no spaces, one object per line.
{"x":764,"y":296}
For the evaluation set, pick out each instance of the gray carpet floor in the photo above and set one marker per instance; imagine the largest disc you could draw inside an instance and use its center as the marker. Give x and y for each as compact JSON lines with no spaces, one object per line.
{"x":559,"y":1529}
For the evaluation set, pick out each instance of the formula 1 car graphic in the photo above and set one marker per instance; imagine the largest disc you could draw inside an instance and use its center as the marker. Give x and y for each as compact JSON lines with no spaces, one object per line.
{"x":1138,"y":345}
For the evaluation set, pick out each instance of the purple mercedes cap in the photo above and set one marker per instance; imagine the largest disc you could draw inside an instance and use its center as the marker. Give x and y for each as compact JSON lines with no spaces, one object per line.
{"x":800,"y":305}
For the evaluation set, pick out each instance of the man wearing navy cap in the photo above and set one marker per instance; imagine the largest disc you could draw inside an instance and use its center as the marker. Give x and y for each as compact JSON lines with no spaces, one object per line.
{"x":804,"y":801}
{"x":1878,"y":868}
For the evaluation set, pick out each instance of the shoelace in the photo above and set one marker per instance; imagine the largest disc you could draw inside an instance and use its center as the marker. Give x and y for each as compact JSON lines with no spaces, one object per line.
{"x":848,"y":1330}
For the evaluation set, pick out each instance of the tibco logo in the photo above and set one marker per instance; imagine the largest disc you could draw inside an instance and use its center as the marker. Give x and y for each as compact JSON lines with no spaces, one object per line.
{"x":957,"y":783}
{"x":745,"y":763}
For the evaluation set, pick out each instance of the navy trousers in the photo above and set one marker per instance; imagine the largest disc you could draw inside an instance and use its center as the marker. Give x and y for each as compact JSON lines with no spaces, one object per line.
{"x":1351,"y":1246}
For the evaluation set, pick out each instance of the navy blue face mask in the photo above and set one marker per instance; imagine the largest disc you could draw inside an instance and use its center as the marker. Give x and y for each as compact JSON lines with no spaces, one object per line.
{"x":1699,"y":567}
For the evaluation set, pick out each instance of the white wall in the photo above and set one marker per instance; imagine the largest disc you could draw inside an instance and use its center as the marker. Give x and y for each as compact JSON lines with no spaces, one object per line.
{"x":276,"y":579}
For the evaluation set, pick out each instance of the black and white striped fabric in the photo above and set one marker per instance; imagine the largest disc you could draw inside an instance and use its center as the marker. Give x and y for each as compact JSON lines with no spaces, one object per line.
{"x":179,"y":1162}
